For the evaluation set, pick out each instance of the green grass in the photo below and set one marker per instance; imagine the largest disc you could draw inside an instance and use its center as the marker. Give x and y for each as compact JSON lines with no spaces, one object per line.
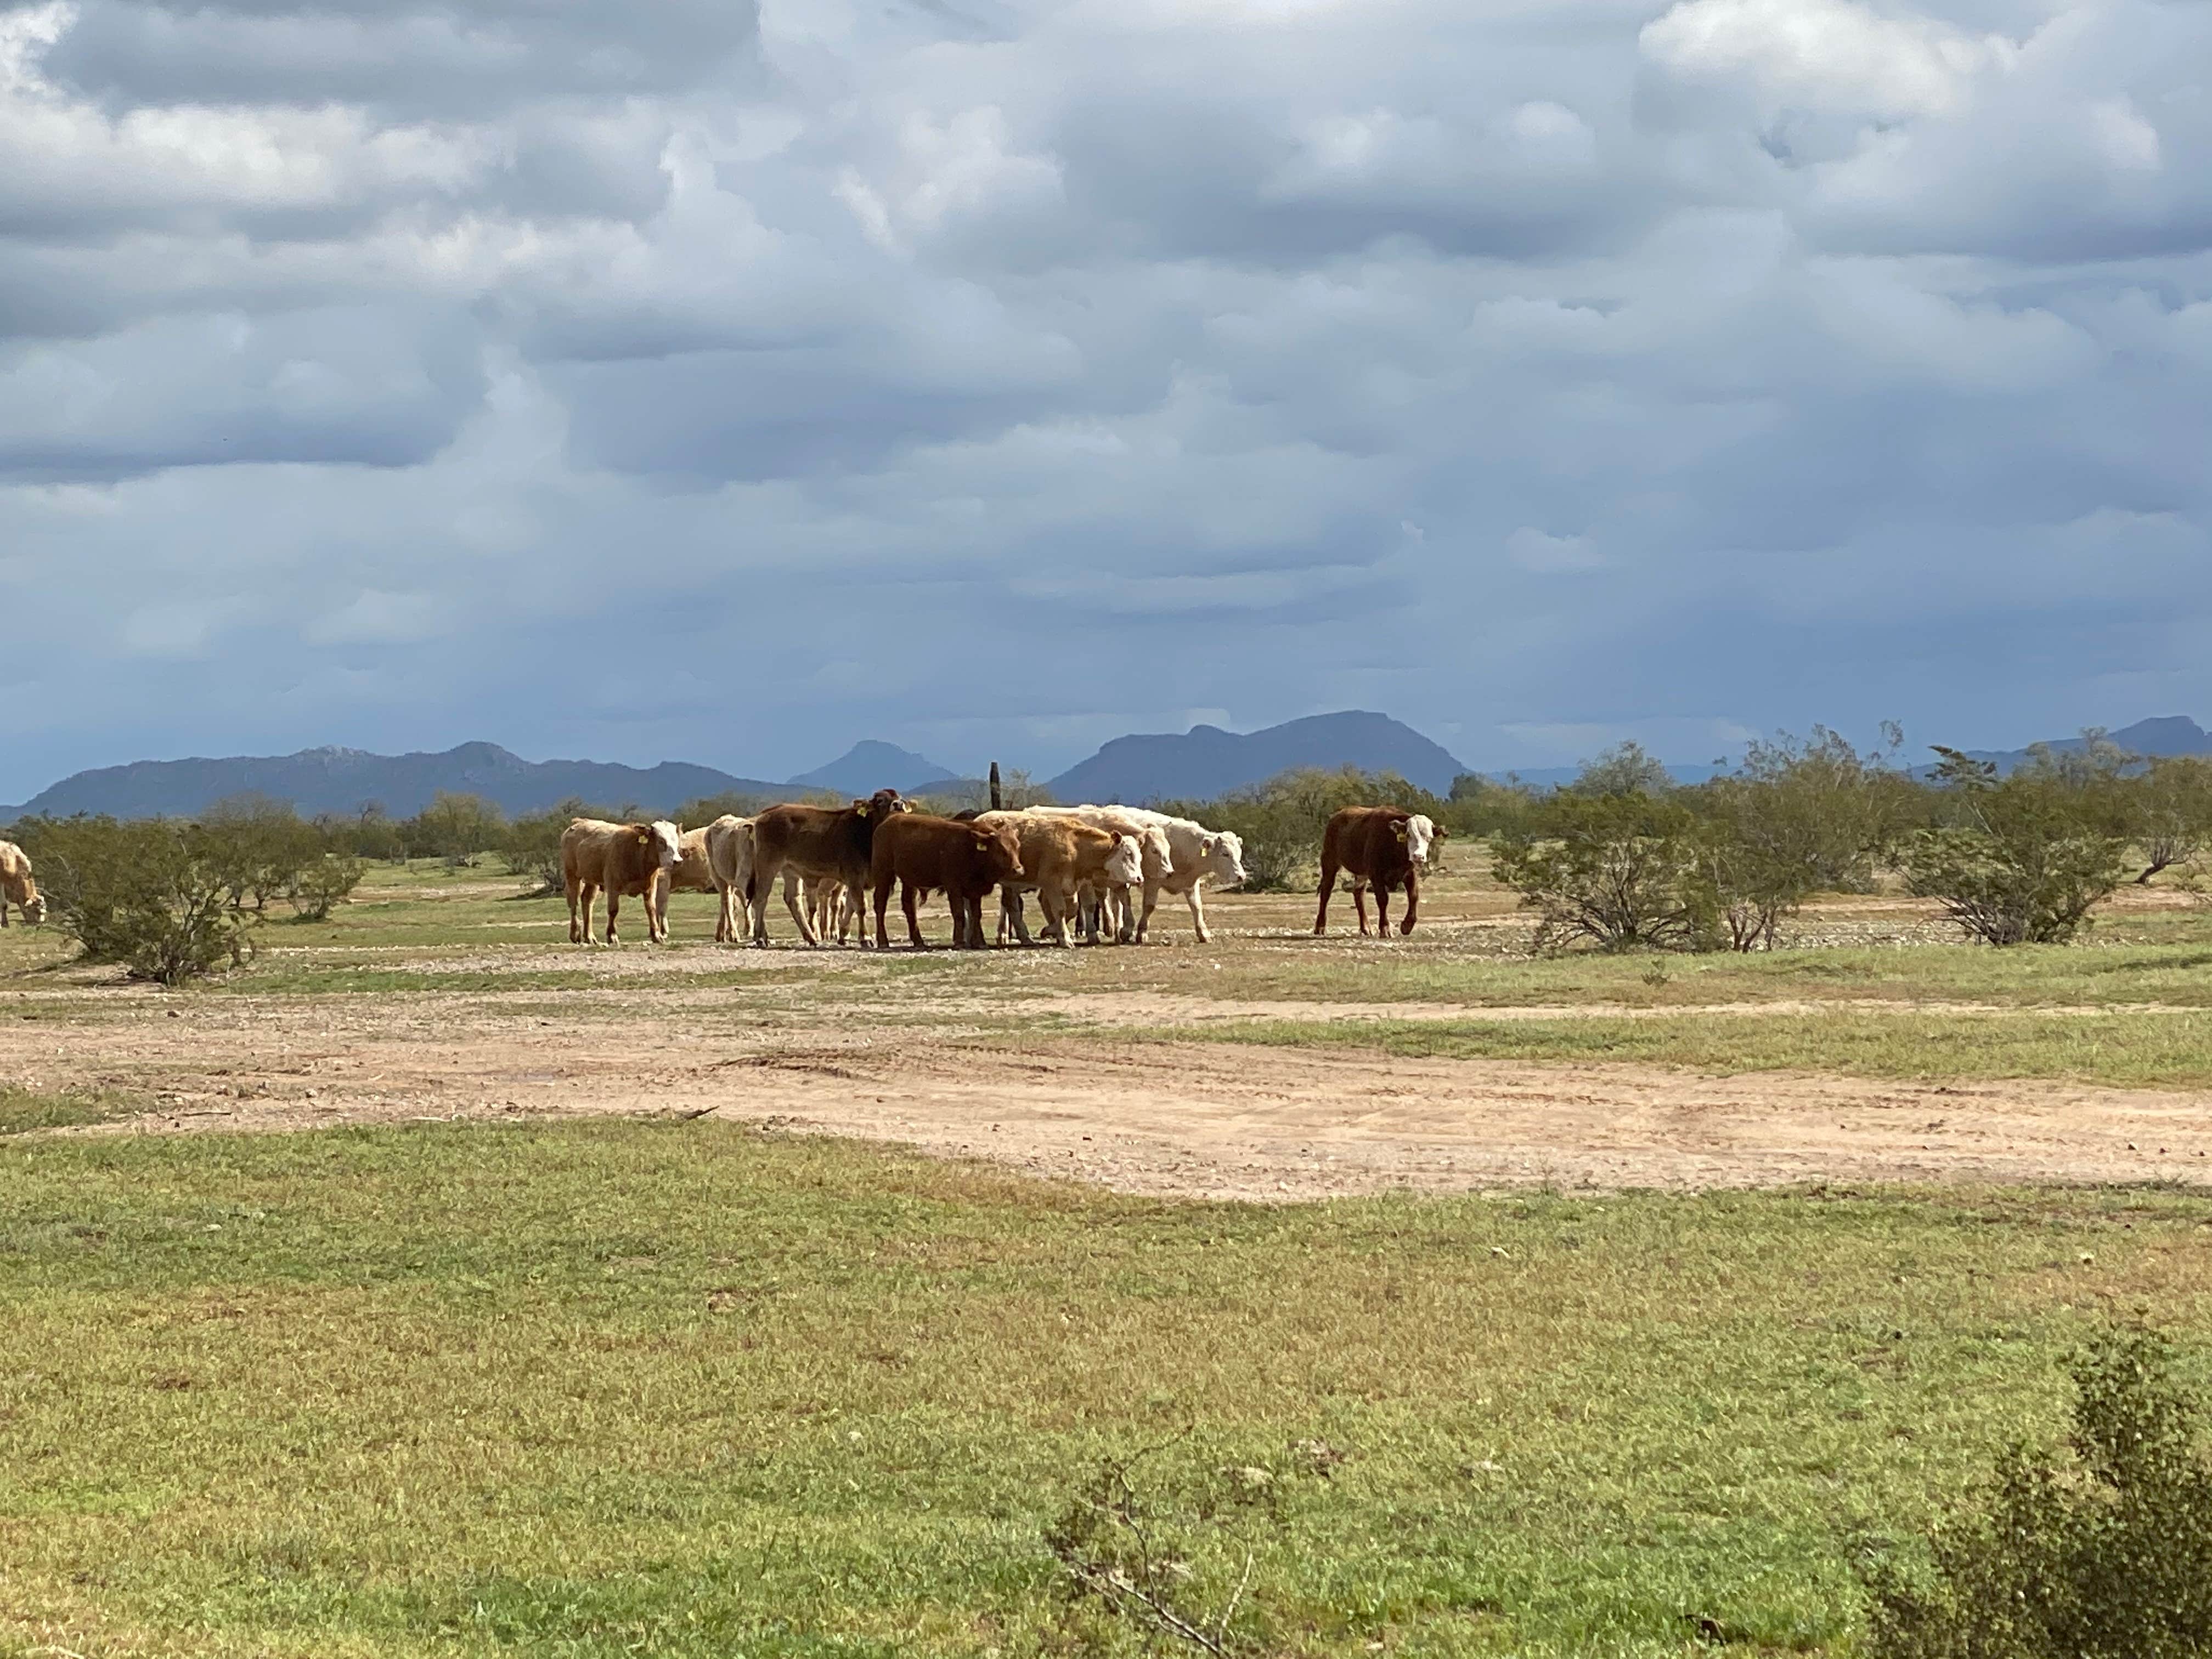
{"x":663,"y":1389}
{"x":2171,"y":1049}
{"x":22,"y":1110}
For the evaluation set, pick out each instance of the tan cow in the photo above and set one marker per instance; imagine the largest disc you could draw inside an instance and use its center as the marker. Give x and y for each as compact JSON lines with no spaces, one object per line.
{"x":16,"y":887}
{"x":1059,"y":856}
{"x":628,"y":861}
{"x":1152,"y":842}
{"x":690,"y":873}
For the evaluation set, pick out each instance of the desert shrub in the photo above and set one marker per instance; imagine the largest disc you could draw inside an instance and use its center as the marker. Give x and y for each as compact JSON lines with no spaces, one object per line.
{"x":2102,"y":1552}
{"x":531,"y":847}
{"x":152,"y":895}
{"x":260,"y":845}
{"x":454,"y":827}
{"x":1620,"y":872}
{"x":1818,"y":805}
{"x":1626,"y":769}
{"x":2021,"y":859}
{"x":2169,"y":813}
{"x":1478,"y":807}
{"x":702,"y":809}
{"x":368,"y":834}
{"x":325,"y":884}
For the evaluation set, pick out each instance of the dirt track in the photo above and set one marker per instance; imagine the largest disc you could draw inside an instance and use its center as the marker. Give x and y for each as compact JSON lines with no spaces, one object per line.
{"x":1216,"y":1119}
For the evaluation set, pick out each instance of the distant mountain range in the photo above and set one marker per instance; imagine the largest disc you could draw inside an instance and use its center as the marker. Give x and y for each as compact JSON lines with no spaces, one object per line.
{"x":1203,"y":761}
{"x":1206,"y":761}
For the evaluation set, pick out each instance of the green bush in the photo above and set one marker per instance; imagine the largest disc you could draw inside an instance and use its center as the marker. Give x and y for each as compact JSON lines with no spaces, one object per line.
{"x":1620,"y":872}
{"x":325,"y":884}
{"x":153,"y":895}
{"x":2022,"y":860}
{"x":531,"y":847}
{"x":454,"y":827}
{"x":260,"y":845}
{"x":2103,"y":1551}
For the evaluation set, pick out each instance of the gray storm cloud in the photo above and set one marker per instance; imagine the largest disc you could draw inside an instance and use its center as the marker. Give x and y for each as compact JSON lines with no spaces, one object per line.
{"x":725,"y":383}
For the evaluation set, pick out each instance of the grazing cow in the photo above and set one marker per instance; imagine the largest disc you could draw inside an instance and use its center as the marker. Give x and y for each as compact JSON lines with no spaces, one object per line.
{"x":1151,"y":843}
{"x":627,"y":859}
{"x":729,"y":866}
{"x":811,"y":842}
{"x":1379,"y":847}
{"x":691,"y":874}
{"x":16,"y":887}
{"x":923,"y":854}
{"x":1195,"y":853}
{"x":1059,"y":855}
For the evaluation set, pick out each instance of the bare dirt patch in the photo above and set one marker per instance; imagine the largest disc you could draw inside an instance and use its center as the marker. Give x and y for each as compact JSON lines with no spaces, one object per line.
{"x":1185,"y":1118}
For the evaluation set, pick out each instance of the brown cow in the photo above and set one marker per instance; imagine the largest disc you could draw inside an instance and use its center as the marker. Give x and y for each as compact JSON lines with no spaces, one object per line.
{"x":16,"y":887}
{"x":626,"y":859}
{"x":965,"y":861}
{"x":1379,"y":846}
{"x":811,"y":842}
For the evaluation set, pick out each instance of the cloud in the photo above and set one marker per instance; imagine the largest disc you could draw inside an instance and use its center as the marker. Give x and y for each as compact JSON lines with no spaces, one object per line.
{"x":707,"y":381}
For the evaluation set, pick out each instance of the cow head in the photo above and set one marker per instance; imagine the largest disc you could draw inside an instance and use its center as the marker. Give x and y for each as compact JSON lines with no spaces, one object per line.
{"x":1221,"y":855}
{"x":1001,"y":851}
{"x":34,"y":908}
{"x":881,"y":805}
{"x":1125,"y":865}
{"x":667,"y":844}
{"x":1420,"y":835}
{"x":1155,"y":838}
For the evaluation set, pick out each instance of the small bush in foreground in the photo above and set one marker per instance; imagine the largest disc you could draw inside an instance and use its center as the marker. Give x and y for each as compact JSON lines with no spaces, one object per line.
{"x":2105,"y":1552}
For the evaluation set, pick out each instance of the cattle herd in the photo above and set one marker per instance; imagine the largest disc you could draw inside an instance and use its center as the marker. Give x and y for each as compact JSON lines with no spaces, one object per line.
{"x":1091,"y":868}
{"x":1097,"y":870}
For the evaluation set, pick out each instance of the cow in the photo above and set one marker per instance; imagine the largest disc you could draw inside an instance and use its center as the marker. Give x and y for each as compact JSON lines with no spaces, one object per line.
{"x":922,"y":853}
{"x":1059,"y":855}
{"x":16,"y":887}
{"x":1381,"y":846}
{"x":626,"y":859}
{"x":730,"y":867}
{"x":691,"y":874}
{"x":1151,"y":843}
{"x":1195,"y":853}
{"x":813,"y":841}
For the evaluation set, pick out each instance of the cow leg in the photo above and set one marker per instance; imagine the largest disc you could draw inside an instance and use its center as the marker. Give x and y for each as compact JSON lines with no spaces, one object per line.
{"x":1412,"y":901}
{"x":907,"y":896}
{"x":614,"y":906}
{"x":1328,"y":868}
{"x":1198,"y":914}
{"x":883,"y":901}
{"x":1359,"y":903}
{"x":798,"y":916}
{"x":1382,"y":909}
{"x":1152,"y":902}
{"x":578,"y":932}
{"x":757,"y":891}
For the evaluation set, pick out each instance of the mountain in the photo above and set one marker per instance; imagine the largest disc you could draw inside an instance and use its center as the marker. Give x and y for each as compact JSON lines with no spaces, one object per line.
{"x":2160,"y":737}
{"x":1206,"y":761}
{"x":345,"y":780}
{"x":868,"y":766}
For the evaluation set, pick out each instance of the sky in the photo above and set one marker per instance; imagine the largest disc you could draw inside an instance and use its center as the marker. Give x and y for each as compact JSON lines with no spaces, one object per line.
{"x":727,"y":383}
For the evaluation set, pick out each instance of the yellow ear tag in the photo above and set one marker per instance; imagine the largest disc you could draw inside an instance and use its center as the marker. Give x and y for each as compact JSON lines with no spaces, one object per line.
{"x":864,"y":812}
{"x":642,"y":840}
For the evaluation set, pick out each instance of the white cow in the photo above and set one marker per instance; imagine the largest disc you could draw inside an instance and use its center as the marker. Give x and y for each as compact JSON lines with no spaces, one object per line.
{"x":730,"y":864}
{"x":1196,"y":852}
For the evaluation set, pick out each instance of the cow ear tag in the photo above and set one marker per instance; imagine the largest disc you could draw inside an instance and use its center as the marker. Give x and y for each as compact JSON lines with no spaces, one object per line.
{"x":642,"y":840}
{"x":864,"y":812}
{"x":1399,"y":830}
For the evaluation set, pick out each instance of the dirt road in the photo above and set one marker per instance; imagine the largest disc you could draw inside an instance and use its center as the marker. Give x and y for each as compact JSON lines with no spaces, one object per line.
{"x":1196,"y":1118}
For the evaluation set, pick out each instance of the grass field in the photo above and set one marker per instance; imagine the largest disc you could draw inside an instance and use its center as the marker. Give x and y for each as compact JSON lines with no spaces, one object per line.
{"x":674,"y":1388}
{"x":589,"y":1366}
